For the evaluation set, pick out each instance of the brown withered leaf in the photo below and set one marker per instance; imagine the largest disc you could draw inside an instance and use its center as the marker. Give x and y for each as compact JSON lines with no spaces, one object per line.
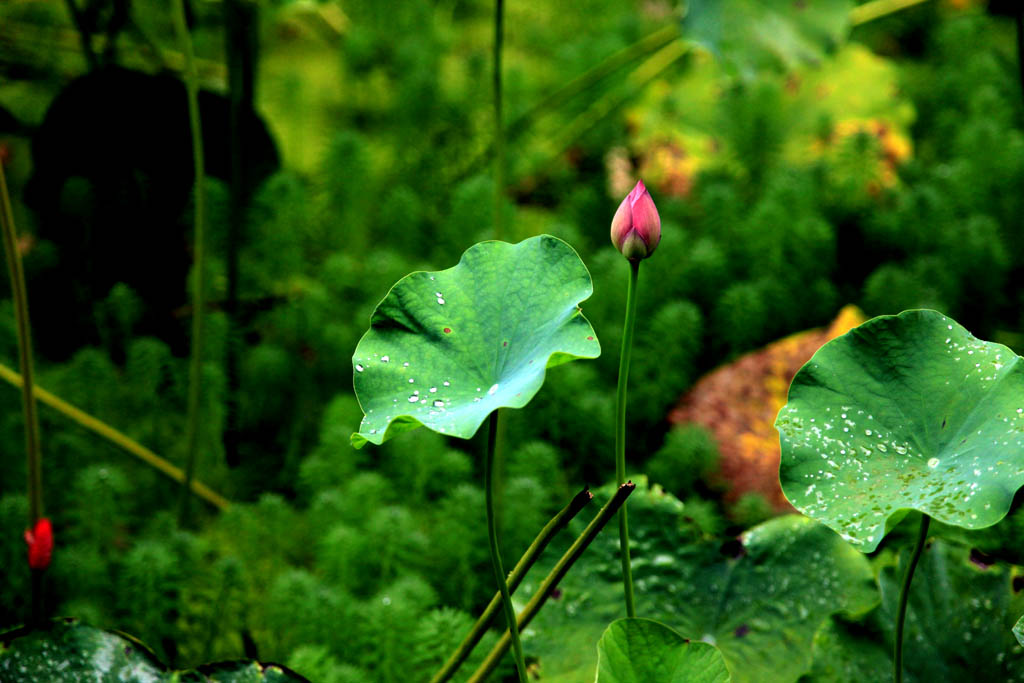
{"x":738,"y":403}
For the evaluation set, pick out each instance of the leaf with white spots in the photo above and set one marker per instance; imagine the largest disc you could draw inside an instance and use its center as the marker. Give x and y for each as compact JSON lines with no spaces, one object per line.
{"x":68,"y":651}
{"x":446,"y":348}
{"x":904,"y":412}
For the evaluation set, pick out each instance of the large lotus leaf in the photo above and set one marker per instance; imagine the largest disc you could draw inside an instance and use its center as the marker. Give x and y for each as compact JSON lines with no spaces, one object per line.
{"x":759,"y":600}
{"x":644,"y":651}
{"x":960,"y":617}
{"x":750,"y":35}
{"x":68,"y":652}
{"x":904,"y":412}
{"x":446,"y":348}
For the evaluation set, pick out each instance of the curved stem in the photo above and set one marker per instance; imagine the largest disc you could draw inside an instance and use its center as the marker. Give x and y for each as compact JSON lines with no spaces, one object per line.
{"x":492,"y":538}
{"x":499,"y":129}
{"x":620,"y":431}
{"x":195,"y":373}
{"x":901,"y":612}
{"x":515,"y":577}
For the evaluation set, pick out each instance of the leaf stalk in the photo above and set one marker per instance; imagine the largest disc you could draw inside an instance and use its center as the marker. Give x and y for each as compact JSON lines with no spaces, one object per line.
{"x":620,"y":431}
{"x":492,"y":539}
{"x":195,"y":374}
{"x":901,"y":612}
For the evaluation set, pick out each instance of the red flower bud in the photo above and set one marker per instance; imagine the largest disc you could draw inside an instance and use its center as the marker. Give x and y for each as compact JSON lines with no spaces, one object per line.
{"x":636,"y":227}
{"x":40,"y":544}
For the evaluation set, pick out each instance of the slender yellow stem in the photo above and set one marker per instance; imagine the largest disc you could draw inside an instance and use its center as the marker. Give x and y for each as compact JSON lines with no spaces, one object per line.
{"x":877,"y":9}
{"x":195,"y":375}
{"x":115,"y":437}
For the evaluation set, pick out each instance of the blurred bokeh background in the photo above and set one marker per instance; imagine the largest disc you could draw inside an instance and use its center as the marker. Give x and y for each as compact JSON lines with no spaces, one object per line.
{"x":348,"y":142}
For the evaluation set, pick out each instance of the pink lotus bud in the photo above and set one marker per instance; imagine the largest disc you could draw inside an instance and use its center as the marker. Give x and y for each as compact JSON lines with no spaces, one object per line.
{"x":40,"y":544}
{"x":636,"y":227}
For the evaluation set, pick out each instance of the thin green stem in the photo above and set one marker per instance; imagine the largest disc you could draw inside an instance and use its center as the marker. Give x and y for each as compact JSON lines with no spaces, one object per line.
{"x":901,"y":612}
{"x":554,"y":577}
{"x":499,"y":127}
{"x":620,"y":431}
{"x":199,"y":255}
{"x":515,"y":577}
{"x":492,"y":538}
{"x":28,"y":401}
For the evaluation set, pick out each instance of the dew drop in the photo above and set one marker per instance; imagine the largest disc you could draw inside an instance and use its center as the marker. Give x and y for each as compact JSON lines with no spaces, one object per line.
{"x":493,"y":389}
{"x":447,"y":384}
{"x":384,"y":359}
{"x":439,"y":404}
{"x":359,"y":368}
{"x":433,"y":390}
{"x":933,"y":463}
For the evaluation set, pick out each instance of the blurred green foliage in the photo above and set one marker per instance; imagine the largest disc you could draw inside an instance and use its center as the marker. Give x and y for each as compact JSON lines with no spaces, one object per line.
{"x":355,"y":566}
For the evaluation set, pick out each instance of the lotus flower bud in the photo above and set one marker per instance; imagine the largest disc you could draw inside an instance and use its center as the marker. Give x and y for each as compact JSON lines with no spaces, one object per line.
{"x":636,"y":227}
{"x":40,"y":544}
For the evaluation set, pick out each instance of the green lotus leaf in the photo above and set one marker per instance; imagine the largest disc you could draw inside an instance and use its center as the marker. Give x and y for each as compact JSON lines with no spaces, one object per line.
{"x":960,"y":616}
{"x":446,"y":348}
{"x":645,"y":651}
{"x":759,"y":600}
{"x":1018,"y":630}
{"x":68,"y":651}
{"x":845,"y":652}
{"x":751,"y":35}
{"x":904,"y":412}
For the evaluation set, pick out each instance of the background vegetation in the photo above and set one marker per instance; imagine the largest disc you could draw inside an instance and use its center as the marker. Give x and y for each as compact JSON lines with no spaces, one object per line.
{"x":888,"y":175}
